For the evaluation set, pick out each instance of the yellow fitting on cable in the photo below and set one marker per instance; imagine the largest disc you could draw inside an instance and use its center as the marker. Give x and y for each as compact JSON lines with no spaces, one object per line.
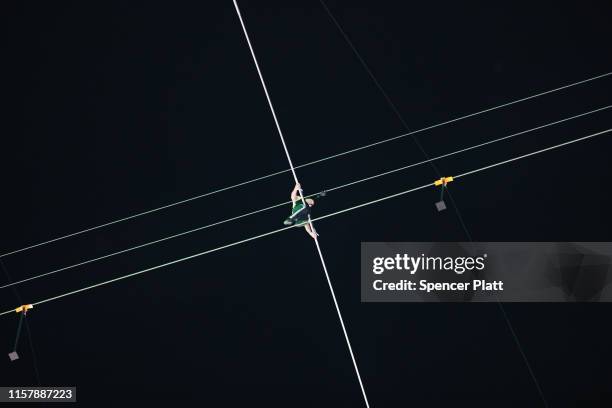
{"x":24,"y":308}
{"x":443,"y":181}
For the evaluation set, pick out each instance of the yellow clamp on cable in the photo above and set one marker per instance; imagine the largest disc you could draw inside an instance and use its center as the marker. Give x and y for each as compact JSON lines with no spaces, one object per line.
{"x":24,"y":308}
{"x":443,"y":181}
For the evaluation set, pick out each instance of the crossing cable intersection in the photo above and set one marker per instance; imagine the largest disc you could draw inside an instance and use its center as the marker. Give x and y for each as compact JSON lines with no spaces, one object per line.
{"x":211,"y":193}
{"x":292,"y":169}
{"x":333,"y":214}
{"x":351,"y":183}
{"x":301,"y":194}
{"x":434,"y":167}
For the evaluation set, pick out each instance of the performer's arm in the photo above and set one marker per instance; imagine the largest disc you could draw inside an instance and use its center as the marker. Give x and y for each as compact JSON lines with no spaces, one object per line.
{"x":294,"y":193}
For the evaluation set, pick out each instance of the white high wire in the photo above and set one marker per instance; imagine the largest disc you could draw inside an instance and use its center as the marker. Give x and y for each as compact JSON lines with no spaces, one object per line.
{"x":210,"y":193}
{"x":354,"y":182}
{"x":311,"y":225}
{"x":333,"y":214}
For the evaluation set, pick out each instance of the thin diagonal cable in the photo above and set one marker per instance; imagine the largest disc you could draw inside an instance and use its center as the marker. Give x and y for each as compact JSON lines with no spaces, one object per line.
{"x":333,"y":214}
{"x":546,"y":149}
{"x":466,"y":149}
{"x":354,"y":182}
{"x":210,"y":193}
{"x":505,"y":316}
{"x":146,"y":244}
{"x":280,"y":133}
{"x":434,"y":167}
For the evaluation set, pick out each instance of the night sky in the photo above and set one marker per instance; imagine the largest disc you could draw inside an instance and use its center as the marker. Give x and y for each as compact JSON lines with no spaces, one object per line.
{"x":113,"y":108}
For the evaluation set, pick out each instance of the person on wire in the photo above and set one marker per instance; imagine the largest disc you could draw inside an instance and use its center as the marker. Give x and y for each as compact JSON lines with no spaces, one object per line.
{"x":300,"y":213}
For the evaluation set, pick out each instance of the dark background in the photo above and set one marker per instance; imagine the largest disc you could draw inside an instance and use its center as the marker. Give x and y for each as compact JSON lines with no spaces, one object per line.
{"x":116,"y":107}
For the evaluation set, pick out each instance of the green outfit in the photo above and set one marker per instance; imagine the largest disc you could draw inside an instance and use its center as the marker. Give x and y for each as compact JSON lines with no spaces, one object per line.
{"x":299,"y":214}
